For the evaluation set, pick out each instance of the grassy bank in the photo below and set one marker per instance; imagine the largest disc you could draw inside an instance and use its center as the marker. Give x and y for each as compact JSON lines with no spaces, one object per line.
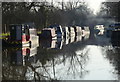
{"x":4,"y":35}
{"x":39,"y":32}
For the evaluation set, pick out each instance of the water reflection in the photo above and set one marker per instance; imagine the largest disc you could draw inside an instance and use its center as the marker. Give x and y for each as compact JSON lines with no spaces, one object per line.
{"x":113,"y":55}
{"x":61,"y":59}
{"x":98,"y":66}
{"x":60,"y":42}
{"x":15,"y":61}
{"x":40,"y":62}
{"x":63,"y":65}
{"x":52,"y":44}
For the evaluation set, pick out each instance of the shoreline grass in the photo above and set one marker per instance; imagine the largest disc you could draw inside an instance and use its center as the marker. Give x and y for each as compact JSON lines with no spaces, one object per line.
{"x":5,"y":34}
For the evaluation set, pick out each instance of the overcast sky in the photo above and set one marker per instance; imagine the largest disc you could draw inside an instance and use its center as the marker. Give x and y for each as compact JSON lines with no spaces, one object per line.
{"x":112,"y":0}
{"x":94,"y":5}
{"x":53,"y":0}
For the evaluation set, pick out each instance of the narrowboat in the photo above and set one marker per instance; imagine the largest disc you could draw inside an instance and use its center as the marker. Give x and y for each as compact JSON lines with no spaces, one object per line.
{"x":52,"y":44}
{"x":72,"y":39}
{"x":66,"y":41}
{"x":48,"y":33}
{"x":78,"y":30}
{"x":58,"y":30}
{"x":78,"y":38}
{"x":49,"y":44}
{"x":34,"y":38}
{"x":99,"y":29}
{"x":22,"y":34}
{"x":59,"y":44}
{"x":66,"y":32}
{"x":112,"y":27}
{"x":19,"y":33}
{"x":85,"y":37}
{"x":85,"y":30}
{"x":20,"y":56}
{"x":72,"y":31}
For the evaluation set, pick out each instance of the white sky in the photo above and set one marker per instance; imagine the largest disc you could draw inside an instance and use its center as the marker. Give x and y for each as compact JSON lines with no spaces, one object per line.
{"x":51,"y":0}
{"x":92,"y":4}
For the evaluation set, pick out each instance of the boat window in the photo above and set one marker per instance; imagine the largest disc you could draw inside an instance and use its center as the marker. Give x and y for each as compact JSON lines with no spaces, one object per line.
{"x":47,"y":32}
{"x":27,"y":31}
{"x":33,"y":31}
{"x":23,"y":30}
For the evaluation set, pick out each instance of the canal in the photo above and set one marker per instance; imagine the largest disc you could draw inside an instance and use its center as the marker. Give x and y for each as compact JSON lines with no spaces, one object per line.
{"x":90,"y":57}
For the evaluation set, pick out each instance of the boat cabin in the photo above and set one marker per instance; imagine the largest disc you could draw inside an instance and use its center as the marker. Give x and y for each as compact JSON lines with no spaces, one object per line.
{"x":48,"y":33}
{"x":72,"y":31}
{"x":21,"y":33}
{"x":78,"y":30}
{"x":66,"y":32}
{"x":58,"y":30}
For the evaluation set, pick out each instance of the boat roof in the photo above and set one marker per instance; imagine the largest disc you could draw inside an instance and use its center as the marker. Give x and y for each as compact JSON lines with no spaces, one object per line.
{"x":52,"y":26}
{"x":116,"y":24}
{"x":29,"y":26}
{"x":47,"y":29}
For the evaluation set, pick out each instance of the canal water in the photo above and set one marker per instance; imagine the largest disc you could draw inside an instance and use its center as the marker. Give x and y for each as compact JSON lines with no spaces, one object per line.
{"x":89,"y":57}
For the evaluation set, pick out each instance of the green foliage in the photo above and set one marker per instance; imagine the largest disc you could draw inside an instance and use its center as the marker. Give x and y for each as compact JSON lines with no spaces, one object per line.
{"x":5,"y":34}
{"x":39,"y":32}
